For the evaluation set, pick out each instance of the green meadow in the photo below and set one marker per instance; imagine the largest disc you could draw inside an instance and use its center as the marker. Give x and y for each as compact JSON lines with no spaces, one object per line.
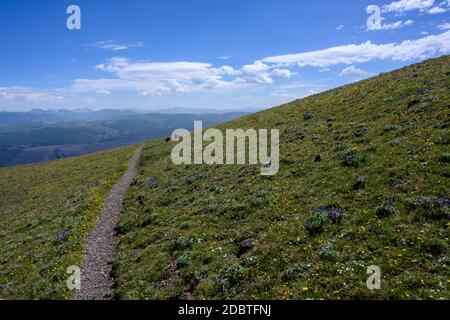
{"x":46,"y":213}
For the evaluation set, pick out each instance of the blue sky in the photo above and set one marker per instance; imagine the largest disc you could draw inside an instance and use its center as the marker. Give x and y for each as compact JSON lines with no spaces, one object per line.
{"x":205,"y":54}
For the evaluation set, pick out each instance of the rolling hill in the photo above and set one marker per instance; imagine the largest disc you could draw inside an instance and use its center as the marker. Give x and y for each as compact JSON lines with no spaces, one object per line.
{"x":363,"y":180}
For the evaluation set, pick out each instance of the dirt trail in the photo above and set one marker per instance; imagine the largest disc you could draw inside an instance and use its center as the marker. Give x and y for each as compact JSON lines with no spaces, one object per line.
{"x":102,"y":241}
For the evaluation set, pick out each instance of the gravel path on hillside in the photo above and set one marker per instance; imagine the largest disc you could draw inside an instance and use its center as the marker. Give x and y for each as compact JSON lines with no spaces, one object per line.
{"x":102,"y":241}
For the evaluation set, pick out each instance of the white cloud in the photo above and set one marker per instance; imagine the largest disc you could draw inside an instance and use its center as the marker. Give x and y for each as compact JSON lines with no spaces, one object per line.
{"x":113,"y":64}
{"x":436,"y":10}
{"x":262,"y":78}
{"x":227,"y":70}
{"x":408,"y":5}
{"x":90,"y":100}
{"x":114,"y":46}
{"x":255,"y":68}
{"x":181,"y":70}
{"x":444,"y":26}
{"x":284,"y":96}
{"x":281,"y":74}
{"x":312,"y":92}
{"x":155,"y":78}
{"x":324,"y":70}
{"x":359,"y":53}
{"x":395,"y":25}
{"x":28,"y":94}
{"x":261,"y":73}
{"x":103,"y":92}
{"x":353,"y":72}
{"x":225,"y":57}
{"x":298,"y":85}
{"x":340,"y":27}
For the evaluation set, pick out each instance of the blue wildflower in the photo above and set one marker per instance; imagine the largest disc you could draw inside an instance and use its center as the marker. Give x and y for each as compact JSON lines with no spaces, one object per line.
{"x":391,"y":201}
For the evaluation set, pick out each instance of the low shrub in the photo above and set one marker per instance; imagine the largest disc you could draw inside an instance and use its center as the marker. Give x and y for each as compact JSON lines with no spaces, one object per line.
{"x":308,"y":115}
{"x":360,"y":183}
{"x":352,"y":159}
{"x":339,"y":146}
{"x":385,"y":210}
{"x":329,"y":252}
{"x":180,"y":244}
{"x":389,"y":127}
{"x":315,"y":223}
{"x":445,"y":158}
{"x":231,"y":276}
{"x":335,"y":214}
{"x":428,"y":208}
{"x":394,"y":142}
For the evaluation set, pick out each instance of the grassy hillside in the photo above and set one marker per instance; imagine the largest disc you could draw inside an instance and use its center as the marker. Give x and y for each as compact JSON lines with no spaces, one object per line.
{"x":46,"y":211}
{"x":384,"y":149}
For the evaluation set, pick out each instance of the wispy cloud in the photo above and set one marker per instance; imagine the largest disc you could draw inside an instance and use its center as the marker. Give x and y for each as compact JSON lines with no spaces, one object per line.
{"x":29,"y":94}
{"x":354,"y":72}
{"x":408,"y":5}
{"x":156,"y":78}
{"x":368,"y":51}
{"x":444,"y":26}
{"x":395,"y":25}
{"x":103,"y":92}
{"x":436,"y":10}
{"x":114,"y":46}
{"x":284,"y":96}
{"x":261,"y":73}
{"x":428,"y":6}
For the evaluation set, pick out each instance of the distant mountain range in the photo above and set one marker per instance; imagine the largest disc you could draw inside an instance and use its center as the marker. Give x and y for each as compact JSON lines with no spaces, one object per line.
{"x":63,"y":115}
{"x":178,"y":110}
{"x":55,"y":116}
{"x":40,"y":135}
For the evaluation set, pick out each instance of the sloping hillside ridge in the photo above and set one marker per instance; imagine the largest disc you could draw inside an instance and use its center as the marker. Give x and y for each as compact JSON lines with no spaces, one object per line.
{"x":364,"y":180}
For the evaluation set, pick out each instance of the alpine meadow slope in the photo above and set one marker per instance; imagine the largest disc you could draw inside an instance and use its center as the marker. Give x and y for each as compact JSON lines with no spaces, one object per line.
{"x":363,"y":180}
{"x":46,"y":213}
